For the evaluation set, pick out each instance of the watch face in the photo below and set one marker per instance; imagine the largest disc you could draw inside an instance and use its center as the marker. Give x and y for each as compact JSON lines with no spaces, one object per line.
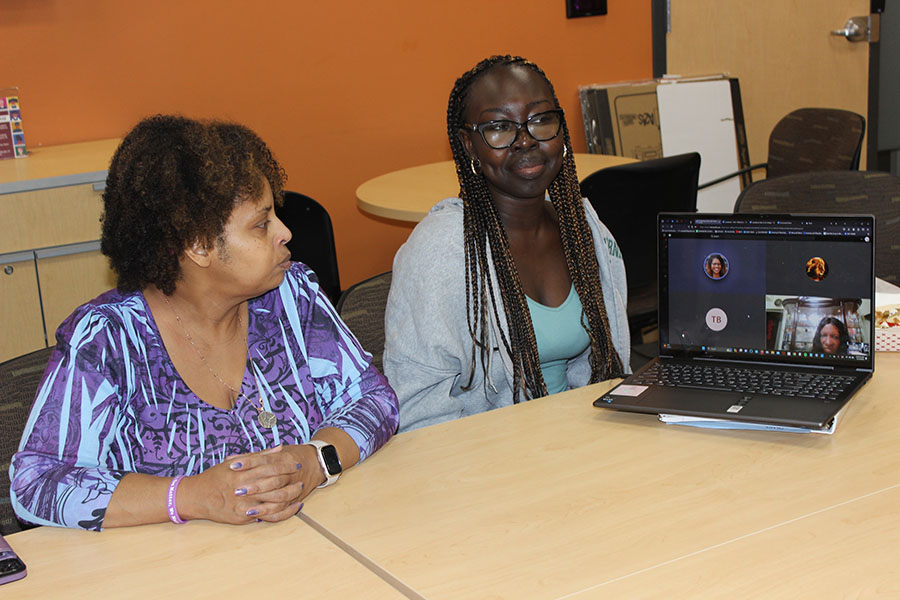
{"x":332,"y":462}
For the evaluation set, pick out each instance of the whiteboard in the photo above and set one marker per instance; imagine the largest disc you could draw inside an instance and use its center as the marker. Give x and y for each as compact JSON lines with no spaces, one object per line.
{"x":697,"y":116}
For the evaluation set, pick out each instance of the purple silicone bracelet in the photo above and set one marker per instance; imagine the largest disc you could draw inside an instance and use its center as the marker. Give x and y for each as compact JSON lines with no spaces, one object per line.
{"x":170,"y":501}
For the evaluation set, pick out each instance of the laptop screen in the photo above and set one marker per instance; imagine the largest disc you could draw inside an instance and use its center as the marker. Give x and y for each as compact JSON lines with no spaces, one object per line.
{"x":793,"y":289}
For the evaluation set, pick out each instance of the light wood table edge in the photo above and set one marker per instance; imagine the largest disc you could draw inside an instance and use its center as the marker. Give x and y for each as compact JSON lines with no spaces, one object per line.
{"x":395,"y":214}
{"x":443,"y":174}
{"x":201,"y":559}
{"x":640,"y":583}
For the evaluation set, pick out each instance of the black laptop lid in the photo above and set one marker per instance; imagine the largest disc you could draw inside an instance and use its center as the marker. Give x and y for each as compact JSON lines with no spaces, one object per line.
{"x":790,"y":289}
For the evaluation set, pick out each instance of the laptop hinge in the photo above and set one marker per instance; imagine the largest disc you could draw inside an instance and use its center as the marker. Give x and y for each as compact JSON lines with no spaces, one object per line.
{"x":763,"y":362}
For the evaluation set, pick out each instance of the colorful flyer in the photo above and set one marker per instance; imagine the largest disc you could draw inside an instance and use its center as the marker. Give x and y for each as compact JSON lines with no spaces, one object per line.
{"x":12,"y":133}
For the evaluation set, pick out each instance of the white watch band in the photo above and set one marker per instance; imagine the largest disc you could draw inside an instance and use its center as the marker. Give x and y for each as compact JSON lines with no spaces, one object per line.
{"x":318,"y":445}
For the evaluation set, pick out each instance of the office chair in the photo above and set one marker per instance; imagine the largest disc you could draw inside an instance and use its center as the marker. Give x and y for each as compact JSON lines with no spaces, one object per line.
{"x":362,"y":308}
{"x":313,"y":239}
{"x":835,"y":192}
{"x":810,"y":139}
{"x":19,"y":381}
{"x":627,"y":199}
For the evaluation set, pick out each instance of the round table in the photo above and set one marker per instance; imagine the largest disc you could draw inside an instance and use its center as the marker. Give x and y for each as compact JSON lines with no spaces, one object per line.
{"x":408,"y":194}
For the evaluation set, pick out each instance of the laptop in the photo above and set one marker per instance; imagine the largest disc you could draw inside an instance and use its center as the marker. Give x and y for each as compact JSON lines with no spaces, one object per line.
{"x":762,"y":319}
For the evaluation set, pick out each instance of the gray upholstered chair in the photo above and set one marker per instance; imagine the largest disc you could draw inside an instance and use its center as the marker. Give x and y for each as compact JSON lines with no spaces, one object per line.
{"x":19,"y":380}
{"x":362,"y":308}
{"x":810,"y":139}
{"x":836,"y":192}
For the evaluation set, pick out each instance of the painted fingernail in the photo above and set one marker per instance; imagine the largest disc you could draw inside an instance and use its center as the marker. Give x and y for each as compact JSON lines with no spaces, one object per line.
{"x":259,"y":520}
{"x":299,"y":466}
{"x":240,"y":492}
{"x":252,"y":512}
{"x":236,"y":465}
{"x":301,"y":507}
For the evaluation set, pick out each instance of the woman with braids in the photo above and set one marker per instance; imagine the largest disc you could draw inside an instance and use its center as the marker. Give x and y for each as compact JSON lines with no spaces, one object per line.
{"x":500,"y":295}
{"x":217,"y":381}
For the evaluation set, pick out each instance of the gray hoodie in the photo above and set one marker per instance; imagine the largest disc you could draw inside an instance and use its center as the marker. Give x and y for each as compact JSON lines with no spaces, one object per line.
{"x":428,"y":349}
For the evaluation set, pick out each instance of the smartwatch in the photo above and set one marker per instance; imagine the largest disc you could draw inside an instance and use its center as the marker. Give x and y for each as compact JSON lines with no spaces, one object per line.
{"x":328,"y":460}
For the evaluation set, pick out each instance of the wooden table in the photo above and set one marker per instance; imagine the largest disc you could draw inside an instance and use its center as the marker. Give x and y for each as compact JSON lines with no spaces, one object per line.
{"x":197,"y":560}
{"x":844,"y":551}
{"x":549,"y":499}
{"x":408,"y":194}
{"x":557,"y":499}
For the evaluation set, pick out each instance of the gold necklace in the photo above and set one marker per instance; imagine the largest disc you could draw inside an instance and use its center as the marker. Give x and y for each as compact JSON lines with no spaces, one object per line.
{"x":264,"y":417}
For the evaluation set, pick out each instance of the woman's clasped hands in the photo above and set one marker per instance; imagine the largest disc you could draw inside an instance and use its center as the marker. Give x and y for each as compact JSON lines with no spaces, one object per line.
{"x":268,"y":485}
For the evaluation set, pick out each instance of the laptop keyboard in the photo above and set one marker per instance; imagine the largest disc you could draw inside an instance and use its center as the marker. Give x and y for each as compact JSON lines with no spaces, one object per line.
{"x":752,"y":381}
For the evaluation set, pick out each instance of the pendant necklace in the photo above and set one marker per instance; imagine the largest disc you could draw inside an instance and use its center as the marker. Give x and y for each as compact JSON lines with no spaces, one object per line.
{"x":265,"y":418}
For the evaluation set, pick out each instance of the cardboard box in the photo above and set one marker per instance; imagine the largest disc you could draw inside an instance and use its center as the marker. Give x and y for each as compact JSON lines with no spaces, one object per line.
{"x":665,"y":117}
{"x":622,"y":119}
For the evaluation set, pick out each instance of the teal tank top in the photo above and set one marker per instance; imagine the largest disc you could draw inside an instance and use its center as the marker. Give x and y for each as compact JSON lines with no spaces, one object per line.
{"x":560,"y":337}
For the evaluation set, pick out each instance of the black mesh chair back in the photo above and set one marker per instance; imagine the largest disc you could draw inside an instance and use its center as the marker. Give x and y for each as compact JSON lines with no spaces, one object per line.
{"x":19,"y":381}
{"x":362,"y":308}
{"x":837,"y":192}
{"x":627,"y":199}
{"x":313,"y":239}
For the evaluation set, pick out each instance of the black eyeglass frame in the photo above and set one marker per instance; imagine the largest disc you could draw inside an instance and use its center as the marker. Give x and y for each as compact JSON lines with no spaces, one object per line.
{"x":480,"y":127}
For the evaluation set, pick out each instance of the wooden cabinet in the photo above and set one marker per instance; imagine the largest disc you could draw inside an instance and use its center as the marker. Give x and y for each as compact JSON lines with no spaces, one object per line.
{"x":68,"y":281}
{"x":21,"y":322}
{"x":50,"y":208}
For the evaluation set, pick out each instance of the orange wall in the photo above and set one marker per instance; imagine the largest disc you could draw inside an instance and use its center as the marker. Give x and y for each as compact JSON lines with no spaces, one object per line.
{"x":342,"y":91}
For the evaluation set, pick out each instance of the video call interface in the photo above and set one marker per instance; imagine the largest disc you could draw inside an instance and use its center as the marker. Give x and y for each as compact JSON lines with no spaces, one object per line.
{"x":790,"y":289}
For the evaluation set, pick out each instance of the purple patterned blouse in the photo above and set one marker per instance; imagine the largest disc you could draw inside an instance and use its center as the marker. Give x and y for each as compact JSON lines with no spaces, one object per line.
{"x":111,"y":401}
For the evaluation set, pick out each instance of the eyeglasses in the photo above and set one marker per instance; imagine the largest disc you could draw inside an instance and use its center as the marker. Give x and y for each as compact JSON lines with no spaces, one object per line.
{"x":503,"y":133}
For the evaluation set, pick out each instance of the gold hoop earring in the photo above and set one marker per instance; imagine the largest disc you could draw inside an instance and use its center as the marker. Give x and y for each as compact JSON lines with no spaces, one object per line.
{"x":565,"y":151}
{"x":475,"y":166}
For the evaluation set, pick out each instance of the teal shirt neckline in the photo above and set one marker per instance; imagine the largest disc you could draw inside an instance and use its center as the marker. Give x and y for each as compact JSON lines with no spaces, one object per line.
{"x":560,"y":337}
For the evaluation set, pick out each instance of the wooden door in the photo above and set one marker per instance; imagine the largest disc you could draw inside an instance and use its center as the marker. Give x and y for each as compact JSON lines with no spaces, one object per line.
{"x":782,"y":51}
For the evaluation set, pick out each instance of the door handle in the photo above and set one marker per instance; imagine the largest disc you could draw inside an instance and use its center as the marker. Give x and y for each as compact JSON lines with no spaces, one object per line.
{"x":856,"y":29}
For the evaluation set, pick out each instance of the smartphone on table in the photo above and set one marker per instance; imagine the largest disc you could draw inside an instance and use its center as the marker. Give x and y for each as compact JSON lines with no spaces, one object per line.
{"x":11,"y":566}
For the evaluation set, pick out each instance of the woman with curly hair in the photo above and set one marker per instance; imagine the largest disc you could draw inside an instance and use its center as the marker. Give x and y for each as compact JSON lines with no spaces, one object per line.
{"x":514,"y":290}
{"x":216,"y":382}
